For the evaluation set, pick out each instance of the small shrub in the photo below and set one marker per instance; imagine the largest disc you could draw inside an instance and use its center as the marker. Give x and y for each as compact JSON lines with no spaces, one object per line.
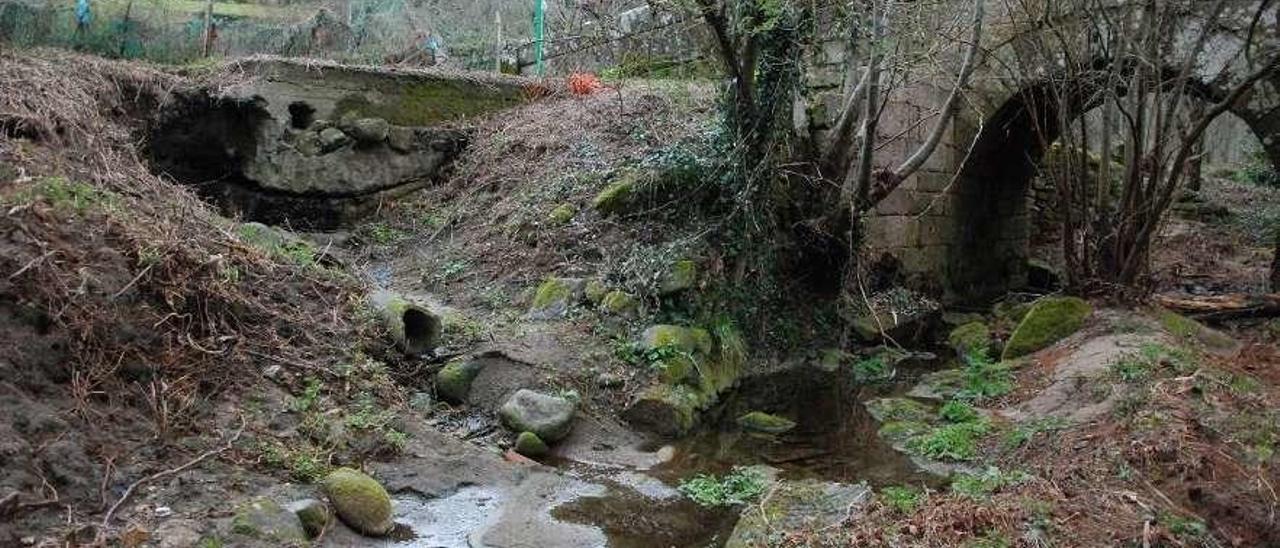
{"x":984,"y":379}
{"x":740,"y":486}
{"x":957,"y":442}
{"x":871,"y":369}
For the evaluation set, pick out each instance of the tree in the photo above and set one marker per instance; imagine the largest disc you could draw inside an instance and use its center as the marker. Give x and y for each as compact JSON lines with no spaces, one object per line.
{"x":1127,"y":56}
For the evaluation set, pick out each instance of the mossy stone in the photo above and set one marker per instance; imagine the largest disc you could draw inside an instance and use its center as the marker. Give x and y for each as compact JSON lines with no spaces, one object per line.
{"x":940,"y":385}
{"x":666,"y":409}
{"x":971,"y":338}
{"x":561,"y":215}
{"x":313,"y":514}
{"x":681,"y":275}
{"x":690,"y":340}
{"x":888,"y":410}
{"x":265,"y":519}
{"x":453,"y":381}
{"x":530,"y":445}
{"x":361,"y":502}
{"x":618,"y":303}
{"x":595,"y":291}
{"x":1190,"y":330}
{"x":758,"y":421}
{"x":1050,"y":320}
{"x":554,"y":296}
{"x":550,"y":417}
{"x":615,"y":198}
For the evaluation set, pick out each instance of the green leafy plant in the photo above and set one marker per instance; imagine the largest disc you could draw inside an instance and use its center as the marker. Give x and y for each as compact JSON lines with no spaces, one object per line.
{"x":902,"y":499}
{"x":739,"y":486}
{"x":984,"y":379}
{"x":951,"y":442}
{"x":958,"y":411}
{"x":310,"y":395}
{"x":872,"y":368}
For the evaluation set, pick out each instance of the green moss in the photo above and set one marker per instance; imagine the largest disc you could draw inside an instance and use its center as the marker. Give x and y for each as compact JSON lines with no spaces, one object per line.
{"x":360,"y":501}
{"x":426,"y":103}
{"x":595,"y":291}
{"x":757,"y":421}
{"x":1190,"y":330}
{"x":615,"y":198}
{"x":554,"y":297}
{"x":619,"y":303}
{"x":453,"y":381}
{"x":561,"y":215}
{"x":670,"y":410}
{"x":1050,"y":320}
{"x":530,"y":445}
{"x":899,"y":409}
{"x":901,"y":431}
{"x":680,"y":276}
{"x":970,"y":338}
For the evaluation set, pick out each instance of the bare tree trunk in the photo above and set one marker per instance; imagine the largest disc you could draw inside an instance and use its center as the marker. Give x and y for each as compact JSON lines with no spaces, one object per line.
{"x":1275,"y":264}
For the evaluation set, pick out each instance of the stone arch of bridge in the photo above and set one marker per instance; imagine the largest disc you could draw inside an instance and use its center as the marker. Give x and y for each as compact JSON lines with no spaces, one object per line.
{"x":989,"y":199}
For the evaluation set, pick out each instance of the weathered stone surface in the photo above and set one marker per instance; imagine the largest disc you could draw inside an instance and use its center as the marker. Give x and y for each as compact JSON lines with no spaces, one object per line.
{"x":264,"y":519}
{"x":361,"y":502}
{"x":313,"y":514}
{"x":367,"y":131}
{"x":810,"y":505}
{"x":549,"y":417}
{"x":401,"y":139}
{"x":331,"y":139}
{"x":619,"y":303}
{"x":681,"y":275}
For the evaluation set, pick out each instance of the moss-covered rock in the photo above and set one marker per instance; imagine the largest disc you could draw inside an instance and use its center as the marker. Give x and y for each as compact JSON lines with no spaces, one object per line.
{"x":677,"y":352}
{"x":361,"y":502}
{"x":549,"y":417}
{"x":679,"y":276}
{"x":971,"y":338}
{"x":530,"y":445}
{"x":453,"y":381}
{"x":618,"y":303}
{"x":313,"y":514}
{"x":667,"y":410}
{"x":561,"y":215}
{"x":803,"y":505}
{"x":939,"y":385}
{"x":595,"y":291}
{"x":758,"y":421}
{"x":899,"y":409}
{"x":554,"y":297}
{"x":264,"y":519}
{"x":1050,"y":320}
{"x":616,"y":198}
{"x":1190,"y":330}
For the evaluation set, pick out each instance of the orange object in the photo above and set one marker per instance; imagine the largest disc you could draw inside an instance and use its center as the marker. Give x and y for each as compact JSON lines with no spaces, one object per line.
{"x":584,"y":83}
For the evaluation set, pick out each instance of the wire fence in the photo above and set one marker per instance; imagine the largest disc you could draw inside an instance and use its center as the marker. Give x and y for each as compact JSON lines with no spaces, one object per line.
{"x":179,"y":31}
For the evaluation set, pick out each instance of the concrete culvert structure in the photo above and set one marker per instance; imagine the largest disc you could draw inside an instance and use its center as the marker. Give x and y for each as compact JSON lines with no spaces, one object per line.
{"x":414,"y":328}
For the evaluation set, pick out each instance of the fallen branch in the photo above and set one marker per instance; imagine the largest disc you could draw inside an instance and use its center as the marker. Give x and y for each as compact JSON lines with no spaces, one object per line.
{"x":106,"y":519}
{"x":1223,"y":307}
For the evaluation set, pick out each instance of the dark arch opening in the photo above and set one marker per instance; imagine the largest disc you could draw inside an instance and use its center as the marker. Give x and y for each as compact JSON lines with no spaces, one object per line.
{"x":991,"y":218}
{"x":421,"y":331}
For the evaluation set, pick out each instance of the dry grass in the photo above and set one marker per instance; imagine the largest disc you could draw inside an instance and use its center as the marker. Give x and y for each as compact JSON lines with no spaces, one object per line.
{"x":164,"y":309}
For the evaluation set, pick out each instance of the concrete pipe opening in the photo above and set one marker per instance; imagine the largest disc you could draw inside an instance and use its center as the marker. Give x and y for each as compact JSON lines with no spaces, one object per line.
{"x":421,"y":331}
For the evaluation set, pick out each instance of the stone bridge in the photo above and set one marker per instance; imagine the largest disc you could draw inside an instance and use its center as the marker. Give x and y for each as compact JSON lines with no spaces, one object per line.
{"x":315,"y":144}
{"x":963,"y":220}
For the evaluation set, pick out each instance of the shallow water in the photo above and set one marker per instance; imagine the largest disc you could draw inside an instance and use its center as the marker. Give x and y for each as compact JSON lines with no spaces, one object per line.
{"x":446,"y":522}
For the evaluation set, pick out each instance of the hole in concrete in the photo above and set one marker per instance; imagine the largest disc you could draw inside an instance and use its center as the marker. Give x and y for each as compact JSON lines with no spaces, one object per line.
{"x":301,"y":115}
{"x":421,"y":331}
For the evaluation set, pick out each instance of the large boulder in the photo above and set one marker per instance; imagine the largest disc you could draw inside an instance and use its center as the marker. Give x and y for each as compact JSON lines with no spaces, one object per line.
{"x":1049,"y":320}
{"x":360,"y":501}
{"x":548,"y":417}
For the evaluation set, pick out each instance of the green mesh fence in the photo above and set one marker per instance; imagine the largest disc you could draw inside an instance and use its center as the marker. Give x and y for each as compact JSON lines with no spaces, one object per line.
{"x":172,"y":31}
